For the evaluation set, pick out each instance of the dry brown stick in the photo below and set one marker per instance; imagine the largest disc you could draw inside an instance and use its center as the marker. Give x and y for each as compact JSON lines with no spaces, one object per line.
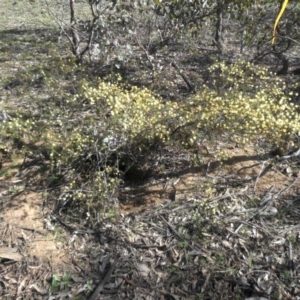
{"x":172,"y":229}
{"x":31,"y":229}
{"x":262,"y":169}
{"x":116,"y":291}
{"x":276,"y":196}
{"x":186,"y":80}
{"x":291,"y":259}
{"x":104,"y":281}
{"x":295,"y":154}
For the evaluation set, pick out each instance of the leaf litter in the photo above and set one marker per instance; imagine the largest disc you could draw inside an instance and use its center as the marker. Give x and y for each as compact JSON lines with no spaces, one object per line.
{"x":225,"y":235}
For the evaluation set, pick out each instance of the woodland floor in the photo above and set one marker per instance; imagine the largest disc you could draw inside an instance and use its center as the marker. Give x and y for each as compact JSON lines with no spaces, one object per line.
{"x":166,"y":243}
{"x":208,"y":230}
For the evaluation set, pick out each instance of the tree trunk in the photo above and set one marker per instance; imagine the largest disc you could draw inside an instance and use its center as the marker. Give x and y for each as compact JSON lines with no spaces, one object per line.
{"x":219,"y":25}
{"x":74,"y":32}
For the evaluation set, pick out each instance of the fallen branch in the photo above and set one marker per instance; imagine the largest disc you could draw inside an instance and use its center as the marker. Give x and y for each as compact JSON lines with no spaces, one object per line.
{"x":262,"y":169}
{"x":104,"y":281}
{"x":186,"y":80}
{"x":295,"y":154}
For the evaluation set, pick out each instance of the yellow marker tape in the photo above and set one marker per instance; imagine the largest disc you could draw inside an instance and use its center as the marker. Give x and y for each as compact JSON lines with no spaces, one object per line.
{"x":283,"y":7}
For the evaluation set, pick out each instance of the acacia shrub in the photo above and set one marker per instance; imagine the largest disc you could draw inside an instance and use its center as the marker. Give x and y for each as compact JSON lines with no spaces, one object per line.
{"x":88,"y":135}
{"x":241,"y":103}
{"x":248,"y":103}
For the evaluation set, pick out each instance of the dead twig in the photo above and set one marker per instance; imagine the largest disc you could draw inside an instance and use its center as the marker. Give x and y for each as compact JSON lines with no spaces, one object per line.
{"x":172,"y":229}
{"x":107,"y":277}
{"x":191,"y":87}
{"x":295,"y":154}
{"x":276,"y":196}
{"x":127,"y":289}
{"x":262,"y":169}
{"x":291,"y":259}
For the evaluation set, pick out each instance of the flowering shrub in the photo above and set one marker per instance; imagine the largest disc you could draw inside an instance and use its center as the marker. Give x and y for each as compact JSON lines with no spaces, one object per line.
{"x":247,"y":103}
{"x":88,"y":134}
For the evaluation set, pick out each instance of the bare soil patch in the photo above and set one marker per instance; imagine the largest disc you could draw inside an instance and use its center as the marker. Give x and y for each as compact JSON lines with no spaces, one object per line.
{"x":243,"y":168}
{"x":42,"y":253}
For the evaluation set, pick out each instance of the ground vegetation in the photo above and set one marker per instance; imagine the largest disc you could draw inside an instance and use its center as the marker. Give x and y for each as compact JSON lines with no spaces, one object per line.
{"x":155,"y":142}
